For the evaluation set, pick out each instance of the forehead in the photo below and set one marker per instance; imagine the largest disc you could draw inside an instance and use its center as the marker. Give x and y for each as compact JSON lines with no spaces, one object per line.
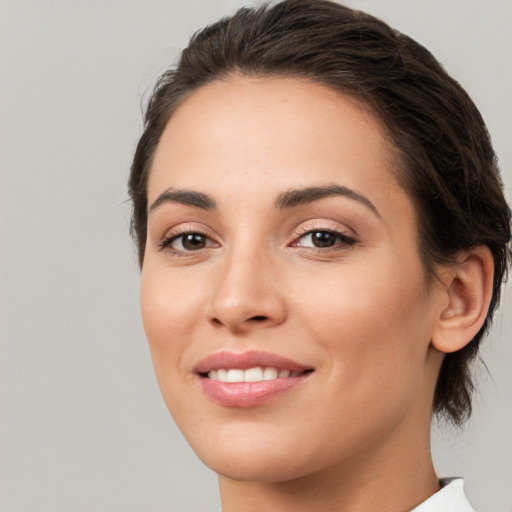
{"x":250,"y":136}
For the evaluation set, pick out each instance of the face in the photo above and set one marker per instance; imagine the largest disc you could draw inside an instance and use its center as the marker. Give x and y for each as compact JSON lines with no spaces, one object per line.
{"x":282,"y":293}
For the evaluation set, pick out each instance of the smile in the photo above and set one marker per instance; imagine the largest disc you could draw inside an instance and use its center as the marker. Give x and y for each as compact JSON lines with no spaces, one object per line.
{"x":248,"y":379}
{"x":256,"y":374}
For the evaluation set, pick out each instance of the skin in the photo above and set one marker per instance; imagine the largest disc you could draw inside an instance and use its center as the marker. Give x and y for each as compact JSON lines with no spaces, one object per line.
{"x":354,"y":435}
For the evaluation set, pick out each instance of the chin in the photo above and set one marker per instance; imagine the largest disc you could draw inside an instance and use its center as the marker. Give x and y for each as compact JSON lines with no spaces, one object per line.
{"x":258,"y":467}
{"x":252,"y":453}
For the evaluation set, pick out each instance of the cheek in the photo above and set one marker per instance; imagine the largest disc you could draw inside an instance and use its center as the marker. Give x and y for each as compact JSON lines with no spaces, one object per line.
{"x":168,"y":315}
{"x":375,"y":327}
{"x":360,"y":299}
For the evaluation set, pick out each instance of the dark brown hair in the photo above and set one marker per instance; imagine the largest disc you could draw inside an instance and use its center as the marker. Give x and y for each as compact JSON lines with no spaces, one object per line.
{"x":446,"y":160}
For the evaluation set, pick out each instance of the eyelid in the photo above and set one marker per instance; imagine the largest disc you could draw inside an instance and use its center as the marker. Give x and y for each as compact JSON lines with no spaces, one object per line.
{"x":187,"y":227}
{"x":325,"y":225}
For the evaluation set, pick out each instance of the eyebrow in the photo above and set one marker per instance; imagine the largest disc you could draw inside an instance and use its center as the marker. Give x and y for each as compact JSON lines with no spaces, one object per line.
{"x":288,"y":199}
{"x":296,"y":197}
{"x":186,"y":197}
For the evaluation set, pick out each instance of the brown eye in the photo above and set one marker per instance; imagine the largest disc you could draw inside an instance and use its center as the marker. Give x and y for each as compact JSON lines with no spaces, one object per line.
{"x":190,"y":242}
{"x":193,"y":241}
{"x":324,"y":240}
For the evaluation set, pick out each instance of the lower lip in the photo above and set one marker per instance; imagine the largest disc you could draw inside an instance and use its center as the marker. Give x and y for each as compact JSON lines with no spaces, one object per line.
{"x":248,"y":394}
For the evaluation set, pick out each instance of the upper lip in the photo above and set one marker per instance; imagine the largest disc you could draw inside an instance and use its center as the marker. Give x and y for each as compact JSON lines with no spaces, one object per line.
{"x":246,"y":360}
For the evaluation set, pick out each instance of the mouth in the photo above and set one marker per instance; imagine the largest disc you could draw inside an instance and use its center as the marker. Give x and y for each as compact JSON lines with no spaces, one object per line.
{"x":248,"y":379}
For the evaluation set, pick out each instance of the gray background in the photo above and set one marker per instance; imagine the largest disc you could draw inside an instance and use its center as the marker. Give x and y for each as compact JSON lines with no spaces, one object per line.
{"x":83,"y":427}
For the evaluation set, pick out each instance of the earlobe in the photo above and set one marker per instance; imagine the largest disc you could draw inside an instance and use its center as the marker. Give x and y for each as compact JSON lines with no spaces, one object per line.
{"x":468,"y":287}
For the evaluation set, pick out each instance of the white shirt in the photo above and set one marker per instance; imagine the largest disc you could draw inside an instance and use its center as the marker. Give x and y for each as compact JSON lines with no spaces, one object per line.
{"x":450,"y":498}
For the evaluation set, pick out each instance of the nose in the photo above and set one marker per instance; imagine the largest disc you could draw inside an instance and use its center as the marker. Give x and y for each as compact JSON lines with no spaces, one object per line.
{"x":246,"y":295}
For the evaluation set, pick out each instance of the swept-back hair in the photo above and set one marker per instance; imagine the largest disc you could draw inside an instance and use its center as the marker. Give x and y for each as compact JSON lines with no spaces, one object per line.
{"x":445,"y":160}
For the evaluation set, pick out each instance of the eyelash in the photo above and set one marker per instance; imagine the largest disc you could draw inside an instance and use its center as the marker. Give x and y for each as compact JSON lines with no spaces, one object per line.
{"x":343,"y":240}
{"x":346,"y":241}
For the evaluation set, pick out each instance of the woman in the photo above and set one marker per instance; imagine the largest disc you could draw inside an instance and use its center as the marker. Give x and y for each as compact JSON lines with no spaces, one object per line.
{"x":322,"y":235}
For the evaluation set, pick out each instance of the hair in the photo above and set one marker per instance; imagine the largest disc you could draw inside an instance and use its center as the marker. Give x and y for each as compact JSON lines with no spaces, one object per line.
{"x":445,"y":159}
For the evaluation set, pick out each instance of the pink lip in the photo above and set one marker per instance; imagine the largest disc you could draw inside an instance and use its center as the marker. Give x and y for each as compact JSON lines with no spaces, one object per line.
{"x":248,"y":394}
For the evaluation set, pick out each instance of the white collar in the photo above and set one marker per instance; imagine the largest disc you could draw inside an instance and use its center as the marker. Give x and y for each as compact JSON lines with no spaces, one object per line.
{"x":450,"y":498}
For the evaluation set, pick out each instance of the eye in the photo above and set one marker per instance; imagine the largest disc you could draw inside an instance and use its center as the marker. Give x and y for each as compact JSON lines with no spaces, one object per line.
{"x":324,"y":239}
{"x":187,"y":242}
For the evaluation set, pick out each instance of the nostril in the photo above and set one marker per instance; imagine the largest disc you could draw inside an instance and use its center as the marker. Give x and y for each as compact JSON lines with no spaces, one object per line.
{"x":258,"y":318}
{"x":255,"y":319}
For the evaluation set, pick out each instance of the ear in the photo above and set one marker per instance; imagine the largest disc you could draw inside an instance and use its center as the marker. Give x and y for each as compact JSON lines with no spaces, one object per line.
{"x":468,"y":288}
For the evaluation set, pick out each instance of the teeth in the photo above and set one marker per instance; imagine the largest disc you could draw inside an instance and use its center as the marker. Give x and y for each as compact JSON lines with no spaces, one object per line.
{"x":270,"y":373}
{"x":235,"y":376}
{"x":255,"y":374}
